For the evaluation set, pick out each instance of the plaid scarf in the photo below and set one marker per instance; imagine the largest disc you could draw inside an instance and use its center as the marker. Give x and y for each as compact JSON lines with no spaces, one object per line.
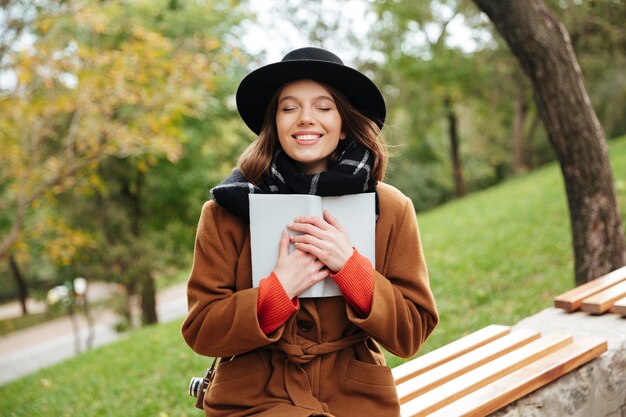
{"x":351,"y":174}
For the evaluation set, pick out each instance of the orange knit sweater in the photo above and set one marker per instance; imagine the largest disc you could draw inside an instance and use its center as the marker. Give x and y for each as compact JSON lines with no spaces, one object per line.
{"x":355,"y":280}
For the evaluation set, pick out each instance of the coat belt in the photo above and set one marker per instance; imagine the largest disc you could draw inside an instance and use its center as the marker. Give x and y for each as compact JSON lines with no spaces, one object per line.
{"x":303,"y":353}
{"x":296,"y":380}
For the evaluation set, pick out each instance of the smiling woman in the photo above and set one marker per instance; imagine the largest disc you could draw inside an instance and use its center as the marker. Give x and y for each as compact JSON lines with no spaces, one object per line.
{"x":308,"y":125}
{"x":318,"y":124}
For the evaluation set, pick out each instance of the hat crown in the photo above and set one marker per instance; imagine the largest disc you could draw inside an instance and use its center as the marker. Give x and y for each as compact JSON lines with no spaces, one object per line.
{"x":312,"y":54}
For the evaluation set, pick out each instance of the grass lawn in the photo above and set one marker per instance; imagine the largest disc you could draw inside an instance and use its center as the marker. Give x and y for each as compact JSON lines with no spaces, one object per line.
{"x":494,"y":257}
{"x":145,"y":374}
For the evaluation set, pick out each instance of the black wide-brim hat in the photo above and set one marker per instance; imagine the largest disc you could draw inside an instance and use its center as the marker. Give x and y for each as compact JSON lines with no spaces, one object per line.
{"x":256,"y":89}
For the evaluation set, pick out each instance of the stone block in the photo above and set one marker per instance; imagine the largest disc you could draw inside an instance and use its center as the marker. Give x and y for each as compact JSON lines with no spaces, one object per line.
{"x":596,"y":389}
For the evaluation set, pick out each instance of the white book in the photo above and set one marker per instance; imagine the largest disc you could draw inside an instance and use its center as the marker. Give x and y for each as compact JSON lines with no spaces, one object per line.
{"x":271,"y":213}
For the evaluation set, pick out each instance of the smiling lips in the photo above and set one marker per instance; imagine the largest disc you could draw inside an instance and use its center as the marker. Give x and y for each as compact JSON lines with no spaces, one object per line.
{"x":307,"y":138}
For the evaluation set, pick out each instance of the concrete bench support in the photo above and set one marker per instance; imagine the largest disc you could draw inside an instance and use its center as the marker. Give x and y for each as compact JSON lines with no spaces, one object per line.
{"x":596,"y":389}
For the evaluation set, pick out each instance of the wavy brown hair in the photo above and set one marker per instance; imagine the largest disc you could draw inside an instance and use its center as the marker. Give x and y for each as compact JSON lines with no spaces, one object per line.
{"x":255,"y":161}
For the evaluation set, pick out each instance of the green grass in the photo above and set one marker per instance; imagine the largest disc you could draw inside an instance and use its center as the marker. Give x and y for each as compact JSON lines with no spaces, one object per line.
{"x":494,"y":257}
{"x":145,"y":374}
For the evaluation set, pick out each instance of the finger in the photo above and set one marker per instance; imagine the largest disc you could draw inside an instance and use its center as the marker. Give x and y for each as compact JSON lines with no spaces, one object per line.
{"x":311,"y":249}
{"x":283,"y":245}
{"x":321,"y":275}
{"x":314,"y":220}
{"x":310,"y":239}
{"x":332,"y":220}
{"x":319,"y":265}
{"x":307,"y":229}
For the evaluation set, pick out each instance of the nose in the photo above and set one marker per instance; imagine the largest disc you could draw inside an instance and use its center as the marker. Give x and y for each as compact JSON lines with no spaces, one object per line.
{"x":305,"y":117}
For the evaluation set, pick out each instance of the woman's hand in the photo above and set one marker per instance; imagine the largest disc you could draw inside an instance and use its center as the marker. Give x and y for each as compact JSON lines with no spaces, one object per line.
{"x":297,"y":271}
{"x":324,"y":238}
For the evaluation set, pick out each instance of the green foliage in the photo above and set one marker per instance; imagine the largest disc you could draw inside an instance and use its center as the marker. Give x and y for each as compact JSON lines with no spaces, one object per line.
{"x":423,"y":71}
{"x":134,"y":100}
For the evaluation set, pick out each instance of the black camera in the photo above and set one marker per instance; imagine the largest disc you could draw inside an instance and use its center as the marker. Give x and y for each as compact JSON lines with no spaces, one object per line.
{"x":195,"y":385}
{"x":199,"y":386}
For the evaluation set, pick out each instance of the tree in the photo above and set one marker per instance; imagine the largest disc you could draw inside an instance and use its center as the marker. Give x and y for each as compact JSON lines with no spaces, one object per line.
{"x":441,"y":100}
{"x":416,"y":42}
{"x":101,"y":81}
{"x":543,"y":47}
{"x":596,"y":29}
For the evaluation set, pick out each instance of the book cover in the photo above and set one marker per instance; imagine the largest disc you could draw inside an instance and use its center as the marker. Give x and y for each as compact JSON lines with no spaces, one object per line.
{"x":271,"y":213}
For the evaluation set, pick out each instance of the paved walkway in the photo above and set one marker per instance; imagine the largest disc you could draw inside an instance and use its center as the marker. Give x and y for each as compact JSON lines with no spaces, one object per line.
{"x":28,"y":350}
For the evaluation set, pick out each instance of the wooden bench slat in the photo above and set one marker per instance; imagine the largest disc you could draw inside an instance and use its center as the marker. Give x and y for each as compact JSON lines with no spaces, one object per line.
{"x":620,"y":307}
{"x":465,"y":363}
{"x":602,"y":302}
{"x":525,"y":380}
{"x":572,"y":300}
{"x":483,"y":375}
{"x":448,"y":352}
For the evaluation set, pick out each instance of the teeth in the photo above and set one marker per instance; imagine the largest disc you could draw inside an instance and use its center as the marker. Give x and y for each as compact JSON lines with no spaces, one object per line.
{"x":307,"y":137}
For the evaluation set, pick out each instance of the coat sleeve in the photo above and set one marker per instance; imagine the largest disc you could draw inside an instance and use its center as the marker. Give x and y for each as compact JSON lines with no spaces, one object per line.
{"x":403,"y":310}
{"x":221,"y":321}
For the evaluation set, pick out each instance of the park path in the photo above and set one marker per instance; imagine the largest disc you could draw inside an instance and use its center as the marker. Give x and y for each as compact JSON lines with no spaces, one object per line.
{"x":25,"y":351}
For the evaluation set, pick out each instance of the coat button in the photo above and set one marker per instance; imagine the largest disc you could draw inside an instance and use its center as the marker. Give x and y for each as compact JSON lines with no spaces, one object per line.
{"x":305,"y":325}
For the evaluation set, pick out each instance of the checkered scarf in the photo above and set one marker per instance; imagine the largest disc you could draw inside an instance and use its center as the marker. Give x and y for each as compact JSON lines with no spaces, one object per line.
{"x":351,"y":174}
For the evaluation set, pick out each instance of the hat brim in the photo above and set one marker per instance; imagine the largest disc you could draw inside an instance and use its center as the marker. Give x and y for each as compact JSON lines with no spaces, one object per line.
{"x":257,"y":88}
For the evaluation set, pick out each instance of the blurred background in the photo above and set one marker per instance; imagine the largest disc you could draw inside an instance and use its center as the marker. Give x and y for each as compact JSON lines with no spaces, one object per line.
{"x":117,"y":117}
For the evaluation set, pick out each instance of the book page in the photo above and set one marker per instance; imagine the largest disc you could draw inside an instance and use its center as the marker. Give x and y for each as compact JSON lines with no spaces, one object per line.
{"x":271,"y":213}
{"x":269,"y":216}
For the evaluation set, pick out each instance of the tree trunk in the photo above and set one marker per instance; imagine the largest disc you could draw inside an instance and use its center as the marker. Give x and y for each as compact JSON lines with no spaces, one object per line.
{"x":457,"y":169}
{"x":148,"y":300}
{"x":543,"y":47}
{"x":74,"y":320}
{"x":518,"y":130}
{"x":147,"y":287}
{"x":22,"y":286}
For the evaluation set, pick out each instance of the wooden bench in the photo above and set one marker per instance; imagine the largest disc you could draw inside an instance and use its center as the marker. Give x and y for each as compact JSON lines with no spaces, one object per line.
{"x":620,"y":307}
{"x":607,"y":293}
{"x":486,"y":370}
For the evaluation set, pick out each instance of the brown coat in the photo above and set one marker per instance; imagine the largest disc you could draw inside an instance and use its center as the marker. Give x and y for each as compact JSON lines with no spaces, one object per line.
{"x":321,"y":361}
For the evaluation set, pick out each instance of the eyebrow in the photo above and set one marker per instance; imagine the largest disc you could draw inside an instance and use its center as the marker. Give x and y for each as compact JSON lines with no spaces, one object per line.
{"x":322,"y":97}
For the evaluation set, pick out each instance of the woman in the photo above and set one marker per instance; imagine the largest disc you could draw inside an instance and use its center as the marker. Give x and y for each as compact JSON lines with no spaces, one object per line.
{"x":319,"y":124}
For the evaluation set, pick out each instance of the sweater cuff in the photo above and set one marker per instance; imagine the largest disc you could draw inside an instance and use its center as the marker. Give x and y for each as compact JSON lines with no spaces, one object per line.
{"x":273,"y":305}
{"x":356,"y":282}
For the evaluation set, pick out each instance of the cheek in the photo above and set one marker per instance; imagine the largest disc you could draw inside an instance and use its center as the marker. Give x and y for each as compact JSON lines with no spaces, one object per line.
{"x":336,"y":123}
{"x":280,"y":131}
{"x":283,"y":123}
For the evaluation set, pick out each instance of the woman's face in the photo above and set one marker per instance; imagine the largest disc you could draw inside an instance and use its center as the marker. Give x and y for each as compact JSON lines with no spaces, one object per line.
{"x":308,"y":125}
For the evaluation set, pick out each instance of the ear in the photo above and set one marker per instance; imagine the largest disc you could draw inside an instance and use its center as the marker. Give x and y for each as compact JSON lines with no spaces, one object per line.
{"x":342,"y":135}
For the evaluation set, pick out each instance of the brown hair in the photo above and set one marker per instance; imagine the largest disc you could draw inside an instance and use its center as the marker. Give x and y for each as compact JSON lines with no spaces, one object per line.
{"x":255,"y":161}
